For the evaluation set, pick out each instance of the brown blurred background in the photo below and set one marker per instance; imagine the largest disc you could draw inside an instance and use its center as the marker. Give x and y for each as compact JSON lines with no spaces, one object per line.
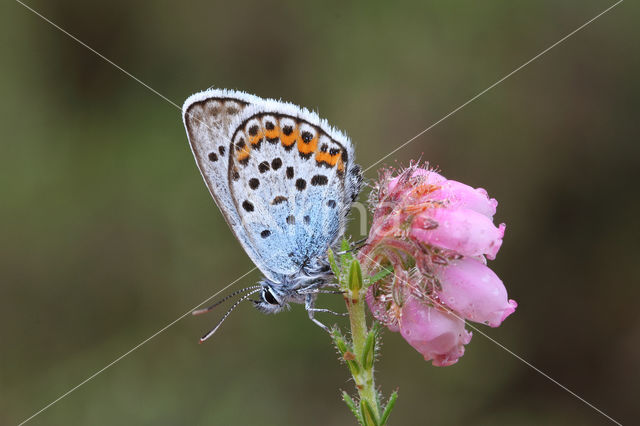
{"x":108,"y":233}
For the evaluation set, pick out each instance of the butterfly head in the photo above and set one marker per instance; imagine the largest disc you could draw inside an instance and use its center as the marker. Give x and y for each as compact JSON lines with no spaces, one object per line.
{"x":272,"y":298}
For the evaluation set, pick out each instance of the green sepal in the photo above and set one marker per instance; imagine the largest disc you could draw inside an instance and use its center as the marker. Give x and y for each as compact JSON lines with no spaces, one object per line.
{"x":387,"y":410}
{"x":355,"y":277}
{"x":368,"y":415}
{"x":352,"y":406}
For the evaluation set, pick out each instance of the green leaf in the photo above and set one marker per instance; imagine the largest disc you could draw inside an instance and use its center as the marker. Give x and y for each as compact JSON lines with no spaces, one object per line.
{"x":352,"y":406}
{"x":344,"y":347}
{"x":345,"y":246}
{"x":339,"y":340}
{"x":368,"y":415}
{"x":387,"y":410}
{"x":332,"y":262}
{"x":368,"y":354}
{"x":355,"y":277}
{"x":345,"y":257}
{"x":380,"y":275}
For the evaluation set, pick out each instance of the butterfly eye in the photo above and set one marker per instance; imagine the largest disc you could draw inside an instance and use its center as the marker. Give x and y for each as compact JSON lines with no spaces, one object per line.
{"x":269,"y":298}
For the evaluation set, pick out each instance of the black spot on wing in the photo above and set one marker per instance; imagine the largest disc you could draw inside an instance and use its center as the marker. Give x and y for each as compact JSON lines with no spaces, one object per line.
{"x":263,"y":167}
{"x":306,"y":137}
{"x":319,"y":180}
{"x":254,"y":183}
{"x":246,"y":204}
{"x":289,"y":172}
{"x":279,"y":199}
{"x":276,"y":163}
{"x":213,"y":157}
{"x":265,"y":233}
{"x":301,"y":184}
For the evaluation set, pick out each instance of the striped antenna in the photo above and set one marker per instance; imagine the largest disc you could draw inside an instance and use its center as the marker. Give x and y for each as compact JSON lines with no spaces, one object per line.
{"x":242,"y":299}
{"x":227,"y":297}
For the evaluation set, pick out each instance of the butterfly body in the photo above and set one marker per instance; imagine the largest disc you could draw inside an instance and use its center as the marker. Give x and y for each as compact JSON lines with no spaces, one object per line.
{"x":284,"y":180}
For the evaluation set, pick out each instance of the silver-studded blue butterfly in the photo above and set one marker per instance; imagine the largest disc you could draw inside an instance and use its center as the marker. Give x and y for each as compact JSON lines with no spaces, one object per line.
{"x":284,"y":180}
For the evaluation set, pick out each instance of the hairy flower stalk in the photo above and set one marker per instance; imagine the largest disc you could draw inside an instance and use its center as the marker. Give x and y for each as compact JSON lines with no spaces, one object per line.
{"x":435,"y":234}
{"x":359,"y":353}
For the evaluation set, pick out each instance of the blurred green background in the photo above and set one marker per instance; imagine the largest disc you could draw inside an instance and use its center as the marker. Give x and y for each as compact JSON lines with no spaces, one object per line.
{"x":108,"y":233}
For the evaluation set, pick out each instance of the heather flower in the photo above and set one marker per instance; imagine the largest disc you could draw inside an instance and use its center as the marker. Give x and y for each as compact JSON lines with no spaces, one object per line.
{"x":435,"y":333}
{"x":435,"y":234}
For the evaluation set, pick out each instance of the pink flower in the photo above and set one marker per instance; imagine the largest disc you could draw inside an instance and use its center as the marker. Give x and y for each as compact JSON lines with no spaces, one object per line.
{"x":434,"y":233}
{"x":474,"y":291}
{"x":437,"y":334}
{"x":462,"y":230}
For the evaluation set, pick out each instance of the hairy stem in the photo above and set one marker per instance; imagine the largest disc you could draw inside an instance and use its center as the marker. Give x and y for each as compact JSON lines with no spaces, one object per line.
{"x":365,"y":382}
{"x":359,"y":353}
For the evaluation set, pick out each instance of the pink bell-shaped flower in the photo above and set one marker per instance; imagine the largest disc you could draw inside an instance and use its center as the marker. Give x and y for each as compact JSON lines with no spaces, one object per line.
{"x":435,"y":234}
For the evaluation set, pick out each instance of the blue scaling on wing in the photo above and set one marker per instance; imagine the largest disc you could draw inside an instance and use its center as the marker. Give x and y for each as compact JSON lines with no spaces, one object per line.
{"x":287,"y":179}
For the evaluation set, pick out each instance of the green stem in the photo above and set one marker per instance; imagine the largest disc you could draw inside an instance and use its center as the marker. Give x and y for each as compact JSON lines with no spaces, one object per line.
{"x":365,"y":382}
{"x":359,"y":353}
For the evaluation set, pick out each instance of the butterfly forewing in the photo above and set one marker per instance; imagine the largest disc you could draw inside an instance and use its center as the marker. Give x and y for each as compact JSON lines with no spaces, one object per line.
{"x":208,"y":118}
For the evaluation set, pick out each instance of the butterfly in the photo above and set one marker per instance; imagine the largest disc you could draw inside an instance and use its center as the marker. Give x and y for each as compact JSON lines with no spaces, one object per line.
{"x":284,"y":180}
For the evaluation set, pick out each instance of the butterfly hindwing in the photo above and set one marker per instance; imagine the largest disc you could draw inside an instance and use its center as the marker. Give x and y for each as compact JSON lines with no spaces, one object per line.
{"x":287,"y":178}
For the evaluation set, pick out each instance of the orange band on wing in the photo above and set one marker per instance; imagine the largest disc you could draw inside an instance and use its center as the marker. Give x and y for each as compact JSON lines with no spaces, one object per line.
{"x":255,"y":140}
{"x":289,"y":140}
{"x":307,"y":148}
{"x":325,"y":157}
{"x":273,"y":133}
{"x":243,"y":154}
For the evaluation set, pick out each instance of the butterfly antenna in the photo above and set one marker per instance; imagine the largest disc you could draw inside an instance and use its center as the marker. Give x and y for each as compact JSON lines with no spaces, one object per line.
{"x":224,"y":299}
{"x":235,"y":305}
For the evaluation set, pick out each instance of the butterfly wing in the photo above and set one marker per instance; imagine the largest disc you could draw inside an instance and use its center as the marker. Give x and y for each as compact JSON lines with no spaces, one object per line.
{"x":208,"y":118}
{"x":292,"y":180}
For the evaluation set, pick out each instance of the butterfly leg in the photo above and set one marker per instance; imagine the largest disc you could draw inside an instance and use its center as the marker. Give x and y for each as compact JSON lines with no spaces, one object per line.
{"x":356,"y":246}
{"x":309,"y":301}
{"x":318,"y":291}
{"x":329,"y":311}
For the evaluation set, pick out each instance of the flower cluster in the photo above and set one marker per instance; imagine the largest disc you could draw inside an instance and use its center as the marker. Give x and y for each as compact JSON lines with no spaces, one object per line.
{"x":435,"y":235}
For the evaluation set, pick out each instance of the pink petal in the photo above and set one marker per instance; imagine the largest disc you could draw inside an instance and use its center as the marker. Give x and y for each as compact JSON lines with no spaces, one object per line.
{"x":473,"y":290}
{"x":432,"y":178}
{"x":463,"y":230}
{"x":464,"y":196}
{"x":437,"y":335}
